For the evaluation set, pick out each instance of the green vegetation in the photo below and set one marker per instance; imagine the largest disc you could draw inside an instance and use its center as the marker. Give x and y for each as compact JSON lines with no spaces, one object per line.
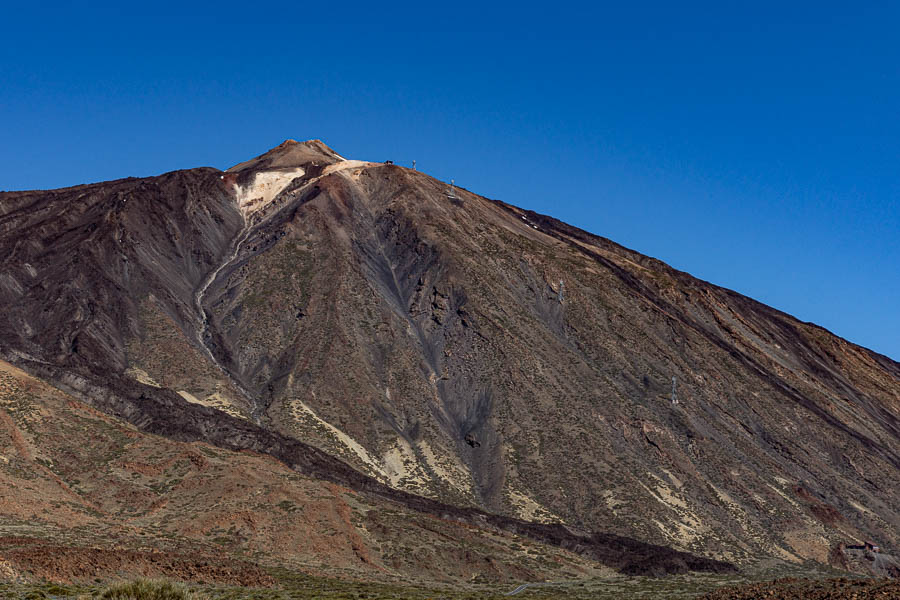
{"x":139,"y":589}
{"x":288,"y":506}
{"x":291,"y":585}
{"x":148,"y":589}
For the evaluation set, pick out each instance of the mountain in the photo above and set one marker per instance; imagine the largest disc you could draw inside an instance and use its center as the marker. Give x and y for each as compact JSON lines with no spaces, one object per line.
{"x":429,"y":349}
{"x":78,"y":486}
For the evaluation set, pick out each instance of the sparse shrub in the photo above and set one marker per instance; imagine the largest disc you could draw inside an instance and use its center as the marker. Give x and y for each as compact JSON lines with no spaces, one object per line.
{"x":148,"y":589}
{"x":56,"y":590}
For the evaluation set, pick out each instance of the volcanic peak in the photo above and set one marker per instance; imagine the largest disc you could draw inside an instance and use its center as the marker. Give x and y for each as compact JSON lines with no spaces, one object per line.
{"x":258,"y":181}
{"x":290,"y":154}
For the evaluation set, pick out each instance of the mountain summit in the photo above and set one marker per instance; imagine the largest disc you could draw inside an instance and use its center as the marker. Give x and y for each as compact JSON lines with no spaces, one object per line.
{"x":258,"y":181}
{"x":455,"y":356}
{"x":290,"y":154}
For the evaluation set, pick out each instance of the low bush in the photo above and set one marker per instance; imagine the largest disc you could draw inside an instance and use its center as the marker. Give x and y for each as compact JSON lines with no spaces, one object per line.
{"x":148,"y":589}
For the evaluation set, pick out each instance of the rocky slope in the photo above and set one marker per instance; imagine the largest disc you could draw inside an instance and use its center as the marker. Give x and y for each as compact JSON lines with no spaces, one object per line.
{"x":84,"y":495}
{"x":451,"y":348}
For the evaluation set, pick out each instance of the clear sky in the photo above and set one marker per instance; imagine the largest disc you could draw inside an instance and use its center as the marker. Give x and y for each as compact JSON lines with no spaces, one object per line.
{"x":757,"y":148}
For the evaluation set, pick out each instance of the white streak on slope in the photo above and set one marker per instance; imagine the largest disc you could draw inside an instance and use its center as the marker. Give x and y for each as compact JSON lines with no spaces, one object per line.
{"x":266,"y":185}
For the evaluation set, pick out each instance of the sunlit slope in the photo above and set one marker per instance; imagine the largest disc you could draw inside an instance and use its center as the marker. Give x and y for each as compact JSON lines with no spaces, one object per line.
{"x":460,"y":349}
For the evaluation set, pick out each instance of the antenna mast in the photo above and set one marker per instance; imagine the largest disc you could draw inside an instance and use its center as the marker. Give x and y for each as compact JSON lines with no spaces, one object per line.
{"x":674,"y":395}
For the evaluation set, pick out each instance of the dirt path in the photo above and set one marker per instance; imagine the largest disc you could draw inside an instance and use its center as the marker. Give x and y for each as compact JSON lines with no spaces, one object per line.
{"x":525,"y":586}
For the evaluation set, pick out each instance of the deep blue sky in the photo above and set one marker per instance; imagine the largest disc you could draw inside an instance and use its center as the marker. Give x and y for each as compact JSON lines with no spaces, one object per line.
{"x":756,"y":148}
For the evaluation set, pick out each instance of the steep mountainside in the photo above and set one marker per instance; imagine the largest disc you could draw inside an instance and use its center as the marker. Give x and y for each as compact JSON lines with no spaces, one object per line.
{"x":452,"y":347}
{"x":77,"y":487}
